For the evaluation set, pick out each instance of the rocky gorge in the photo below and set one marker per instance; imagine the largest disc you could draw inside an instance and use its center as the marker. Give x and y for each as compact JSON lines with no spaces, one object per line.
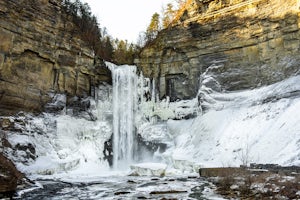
{"x":235,"y":45}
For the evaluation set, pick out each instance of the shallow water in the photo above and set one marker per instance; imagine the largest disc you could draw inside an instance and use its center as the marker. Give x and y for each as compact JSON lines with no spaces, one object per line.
{"x":126,"y":187}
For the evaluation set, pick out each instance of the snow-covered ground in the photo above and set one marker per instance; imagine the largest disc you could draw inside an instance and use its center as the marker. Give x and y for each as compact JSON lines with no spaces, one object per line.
{"x":260,"y":126}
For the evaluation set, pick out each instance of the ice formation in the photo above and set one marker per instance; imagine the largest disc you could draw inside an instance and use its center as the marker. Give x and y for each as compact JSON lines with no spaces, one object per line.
{"x":148,"y":169}
{"x":66,"y":143}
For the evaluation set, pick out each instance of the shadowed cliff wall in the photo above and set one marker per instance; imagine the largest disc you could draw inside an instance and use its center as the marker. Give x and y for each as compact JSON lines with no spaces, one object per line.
{"x":40,"y":52}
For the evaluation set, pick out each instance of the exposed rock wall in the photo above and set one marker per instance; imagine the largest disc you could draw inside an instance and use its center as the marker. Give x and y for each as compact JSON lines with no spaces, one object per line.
{"x":40,"y":52}
{"x":242,"y":43}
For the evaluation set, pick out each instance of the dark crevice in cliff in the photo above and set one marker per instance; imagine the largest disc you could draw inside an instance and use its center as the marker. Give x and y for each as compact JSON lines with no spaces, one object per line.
{"x":15,"y":31}
{"x":7,"y":81}
{"x":1,"y":94}
{"x":30,"y":53}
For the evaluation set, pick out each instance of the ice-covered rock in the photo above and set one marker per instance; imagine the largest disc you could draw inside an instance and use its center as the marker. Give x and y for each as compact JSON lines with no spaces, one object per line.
{"x":51,"y":144}
{"x":155,"y":133}
{"x":148,"y":169}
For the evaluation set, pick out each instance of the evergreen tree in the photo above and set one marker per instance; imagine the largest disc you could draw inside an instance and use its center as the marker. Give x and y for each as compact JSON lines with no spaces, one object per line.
{"x":168,"y":15}
{"x":120,"y":52}
{"x":124,"y":53}
{"x":108,"y":49}
{"x":87,"y":26}
{"x":153,"y":27}
{"x":131,"y":51}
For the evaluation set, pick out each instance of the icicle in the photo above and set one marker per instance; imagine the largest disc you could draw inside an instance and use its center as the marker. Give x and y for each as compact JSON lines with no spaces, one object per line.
{"x":153,"y":91}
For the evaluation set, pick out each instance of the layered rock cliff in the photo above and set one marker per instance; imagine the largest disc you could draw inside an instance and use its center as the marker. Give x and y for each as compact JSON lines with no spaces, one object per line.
{"x":41,"y":53}
{"x":243,"y":44}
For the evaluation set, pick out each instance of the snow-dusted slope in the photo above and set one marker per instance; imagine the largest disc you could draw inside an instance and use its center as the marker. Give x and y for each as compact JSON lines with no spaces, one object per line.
{"x":261,"y":126}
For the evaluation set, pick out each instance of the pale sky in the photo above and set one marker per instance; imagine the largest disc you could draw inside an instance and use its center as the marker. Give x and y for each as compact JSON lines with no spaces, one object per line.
{"x":125,"y":19}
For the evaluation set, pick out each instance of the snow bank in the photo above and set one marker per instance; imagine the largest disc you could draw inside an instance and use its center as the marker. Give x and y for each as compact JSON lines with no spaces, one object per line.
{"x":260,"y":126}
{"x":65,"y":144}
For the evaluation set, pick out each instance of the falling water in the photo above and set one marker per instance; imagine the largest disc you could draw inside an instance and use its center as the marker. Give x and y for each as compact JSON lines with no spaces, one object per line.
{"x":124,"y":106}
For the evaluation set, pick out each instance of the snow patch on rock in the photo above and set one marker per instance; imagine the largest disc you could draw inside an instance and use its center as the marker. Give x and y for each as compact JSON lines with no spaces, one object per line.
{"x":149,"y":169}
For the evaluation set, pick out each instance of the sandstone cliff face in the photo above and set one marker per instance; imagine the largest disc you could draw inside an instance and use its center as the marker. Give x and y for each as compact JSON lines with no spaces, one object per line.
{"x":241,"y":43}
{"x":40,"y":52}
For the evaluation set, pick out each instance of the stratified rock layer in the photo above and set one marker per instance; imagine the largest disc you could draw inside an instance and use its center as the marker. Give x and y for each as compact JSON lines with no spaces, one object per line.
{"x":242,"y":44}
{"x":40,"y":52}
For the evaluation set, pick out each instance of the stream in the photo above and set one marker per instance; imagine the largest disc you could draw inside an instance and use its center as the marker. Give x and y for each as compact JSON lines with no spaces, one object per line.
{"x":124,"y":187}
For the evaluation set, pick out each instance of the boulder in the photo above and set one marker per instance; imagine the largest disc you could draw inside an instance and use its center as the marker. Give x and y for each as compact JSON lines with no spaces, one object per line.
{"x":148,"y":169}
{"x":10,"y":177}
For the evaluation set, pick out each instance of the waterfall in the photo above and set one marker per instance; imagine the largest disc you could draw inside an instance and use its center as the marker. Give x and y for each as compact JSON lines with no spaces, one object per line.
{"x":124,"y":107}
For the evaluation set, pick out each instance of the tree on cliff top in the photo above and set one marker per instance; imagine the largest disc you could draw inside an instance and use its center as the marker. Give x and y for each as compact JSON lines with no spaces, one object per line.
{"x":96,"y":37}
{"x":87,"y":24}
{"x":124,"y":52}
{"x":153,"y":28}
{"x":168,"y":15}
